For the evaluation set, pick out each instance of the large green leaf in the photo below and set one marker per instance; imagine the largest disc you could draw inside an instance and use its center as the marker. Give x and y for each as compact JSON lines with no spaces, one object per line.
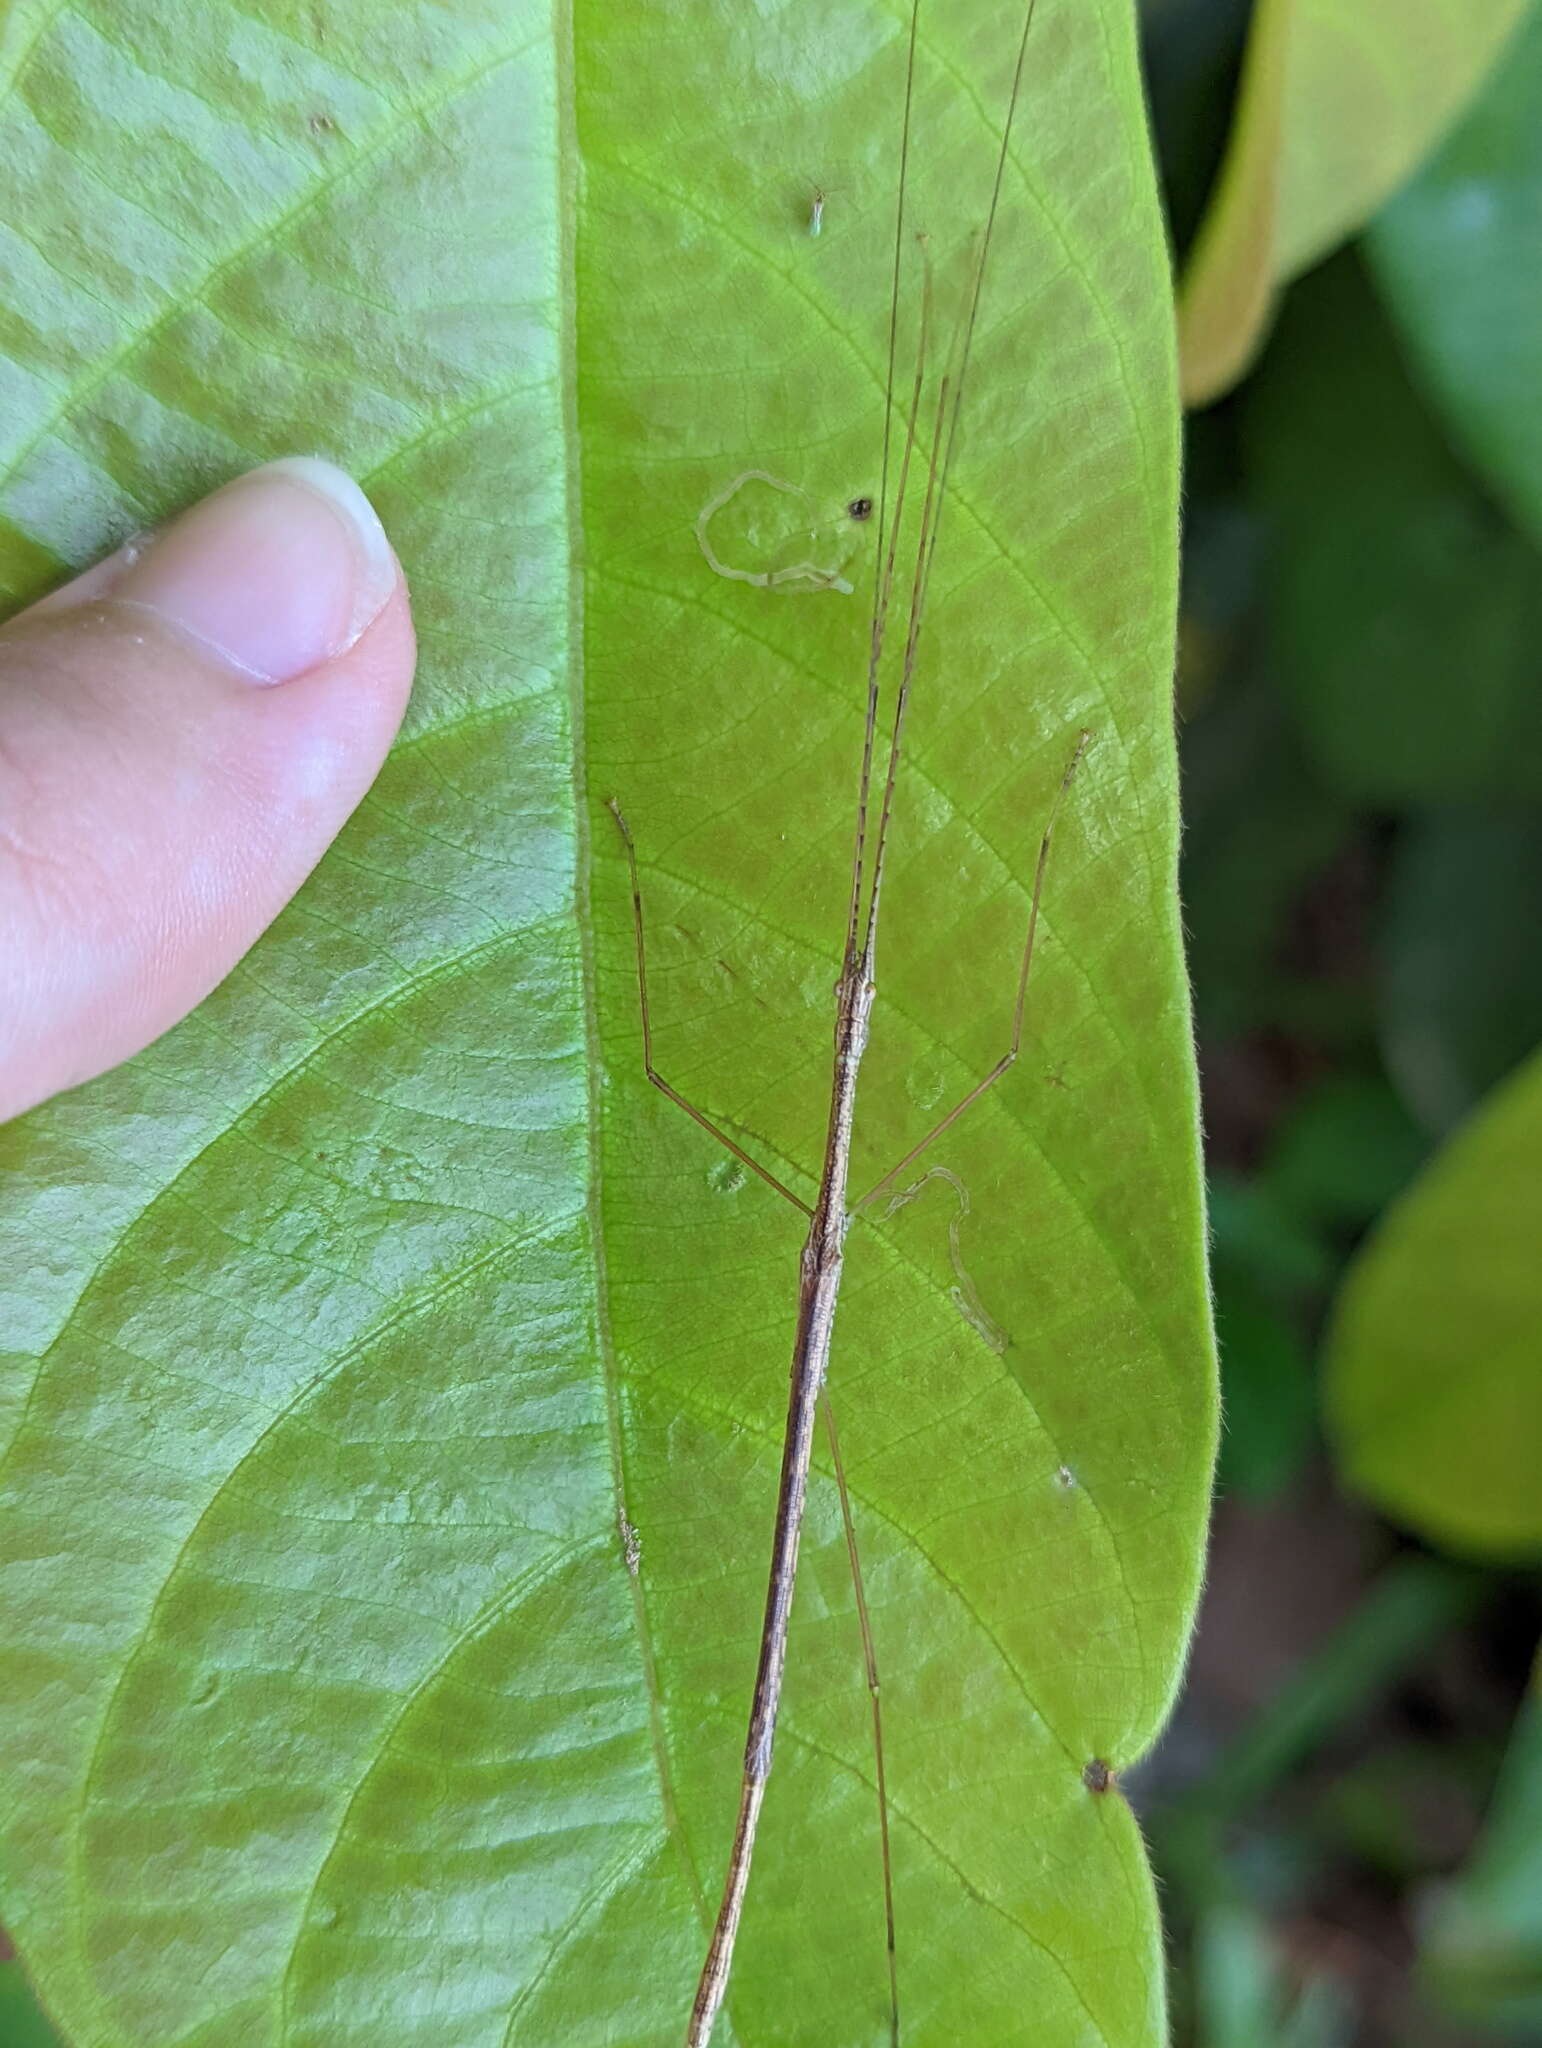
{"x":367,"y":1329}
{"x":1456,"y":253}
{"x":1339,"y":100}
{"x":1391,"y":575}
{"x":1433,"y":1393}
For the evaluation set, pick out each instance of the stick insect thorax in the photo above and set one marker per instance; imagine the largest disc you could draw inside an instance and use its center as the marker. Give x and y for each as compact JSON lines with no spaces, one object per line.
{"x":830,"y":1216}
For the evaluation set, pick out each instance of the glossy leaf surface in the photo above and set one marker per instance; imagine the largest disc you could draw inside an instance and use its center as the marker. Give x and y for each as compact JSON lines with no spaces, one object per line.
{"x":1339,"y":100}
{"x":360,"y":1330}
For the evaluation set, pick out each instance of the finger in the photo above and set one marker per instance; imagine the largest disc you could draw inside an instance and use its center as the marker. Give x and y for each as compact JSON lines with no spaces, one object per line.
{"x":183,"y":730}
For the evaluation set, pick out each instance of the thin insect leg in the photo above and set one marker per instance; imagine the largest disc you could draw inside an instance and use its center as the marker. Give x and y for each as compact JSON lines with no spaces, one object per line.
{"x":865,"y":785}
{"x":870,"y":1660}
{"x":912,"y":427}
{"x":936,"y":480}
{"x":1010,"y":1055}
{"x":894,"y":293}
{"x":649,"y":1069}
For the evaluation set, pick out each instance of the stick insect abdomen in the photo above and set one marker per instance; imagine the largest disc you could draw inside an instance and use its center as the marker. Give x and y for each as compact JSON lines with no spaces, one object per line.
{"x":820,"y":1274}
{"x":819,"y":1283}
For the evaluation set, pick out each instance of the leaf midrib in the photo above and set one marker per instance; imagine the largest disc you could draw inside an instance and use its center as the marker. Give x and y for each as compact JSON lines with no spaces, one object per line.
{"x":448,"y":967}
{"x":569,"y":162}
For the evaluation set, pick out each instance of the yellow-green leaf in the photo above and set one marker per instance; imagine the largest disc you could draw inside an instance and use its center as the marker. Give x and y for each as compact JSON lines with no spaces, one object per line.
{"x":393,"y":1382}
{"x":1434,"y":1361}
{"x":1339,"y":101}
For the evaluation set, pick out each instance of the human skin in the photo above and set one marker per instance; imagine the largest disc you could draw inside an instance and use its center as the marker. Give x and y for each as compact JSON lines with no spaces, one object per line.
{"x":183,"y":731}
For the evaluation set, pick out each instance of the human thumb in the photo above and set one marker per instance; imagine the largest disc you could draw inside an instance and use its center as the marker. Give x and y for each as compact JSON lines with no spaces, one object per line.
{"x":183,"y":730}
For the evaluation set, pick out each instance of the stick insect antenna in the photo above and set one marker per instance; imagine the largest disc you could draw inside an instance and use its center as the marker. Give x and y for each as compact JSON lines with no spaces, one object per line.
{"x":939,"y":474}
{"x":985,"y":244}
{"x":883,"y":561}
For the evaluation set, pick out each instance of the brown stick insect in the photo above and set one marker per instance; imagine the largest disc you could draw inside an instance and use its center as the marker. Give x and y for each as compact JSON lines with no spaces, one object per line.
{"x":926,"y":452}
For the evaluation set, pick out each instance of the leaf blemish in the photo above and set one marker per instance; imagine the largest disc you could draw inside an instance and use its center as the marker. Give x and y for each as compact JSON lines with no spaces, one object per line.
{"x":791,"y":575}
{"x":1096,"y":1775}
{"x":1065,"y":1477}
{"x":964,"y":1295}
{"x":631,"y":1542}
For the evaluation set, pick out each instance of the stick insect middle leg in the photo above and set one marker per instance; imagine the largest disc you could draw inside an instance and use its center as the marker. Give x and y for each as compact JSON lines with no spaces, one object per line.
{"x":1009,"y":1057}
{"x":864,"y":1620}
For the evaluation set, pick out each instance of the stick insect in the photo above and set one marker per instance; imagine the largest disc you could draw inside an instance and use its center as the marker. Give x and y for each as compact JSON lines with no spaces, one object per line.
{"x":829,"y":1217}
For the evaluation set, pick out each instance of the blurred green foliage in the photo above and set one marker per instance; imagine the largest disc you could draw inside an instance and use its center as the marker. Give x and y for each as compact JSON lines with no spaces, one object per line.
{"x":1360,"y":691}
{"x":1431,"y":1359}
{"x":1459,"y":987}
{"x":1243,"y":1996}
{"x":22,"y":2025}
{"x":1404,"y":612}
{"x":1337,"y":102}
{"x":1483,"y":1946}
{"x":1456,"y":253}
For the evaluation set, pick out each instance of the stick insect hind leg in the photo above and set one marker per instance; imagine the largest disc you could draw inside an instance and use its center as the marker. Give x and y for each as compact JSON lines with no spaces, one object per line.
{"x":869,"y":1655}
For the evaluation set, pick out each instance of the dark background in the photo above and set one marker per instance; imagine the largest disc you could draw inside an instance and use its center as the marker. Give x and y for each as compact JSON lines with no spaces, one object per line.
{"x":1363,"y":903}
{"x":1363,"y":893}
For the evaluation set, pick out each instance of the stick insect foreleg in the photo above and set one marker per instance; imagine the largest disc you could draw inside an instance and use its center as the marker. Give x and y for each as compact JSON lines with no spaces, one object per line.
{"x":1009,"y":1057}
